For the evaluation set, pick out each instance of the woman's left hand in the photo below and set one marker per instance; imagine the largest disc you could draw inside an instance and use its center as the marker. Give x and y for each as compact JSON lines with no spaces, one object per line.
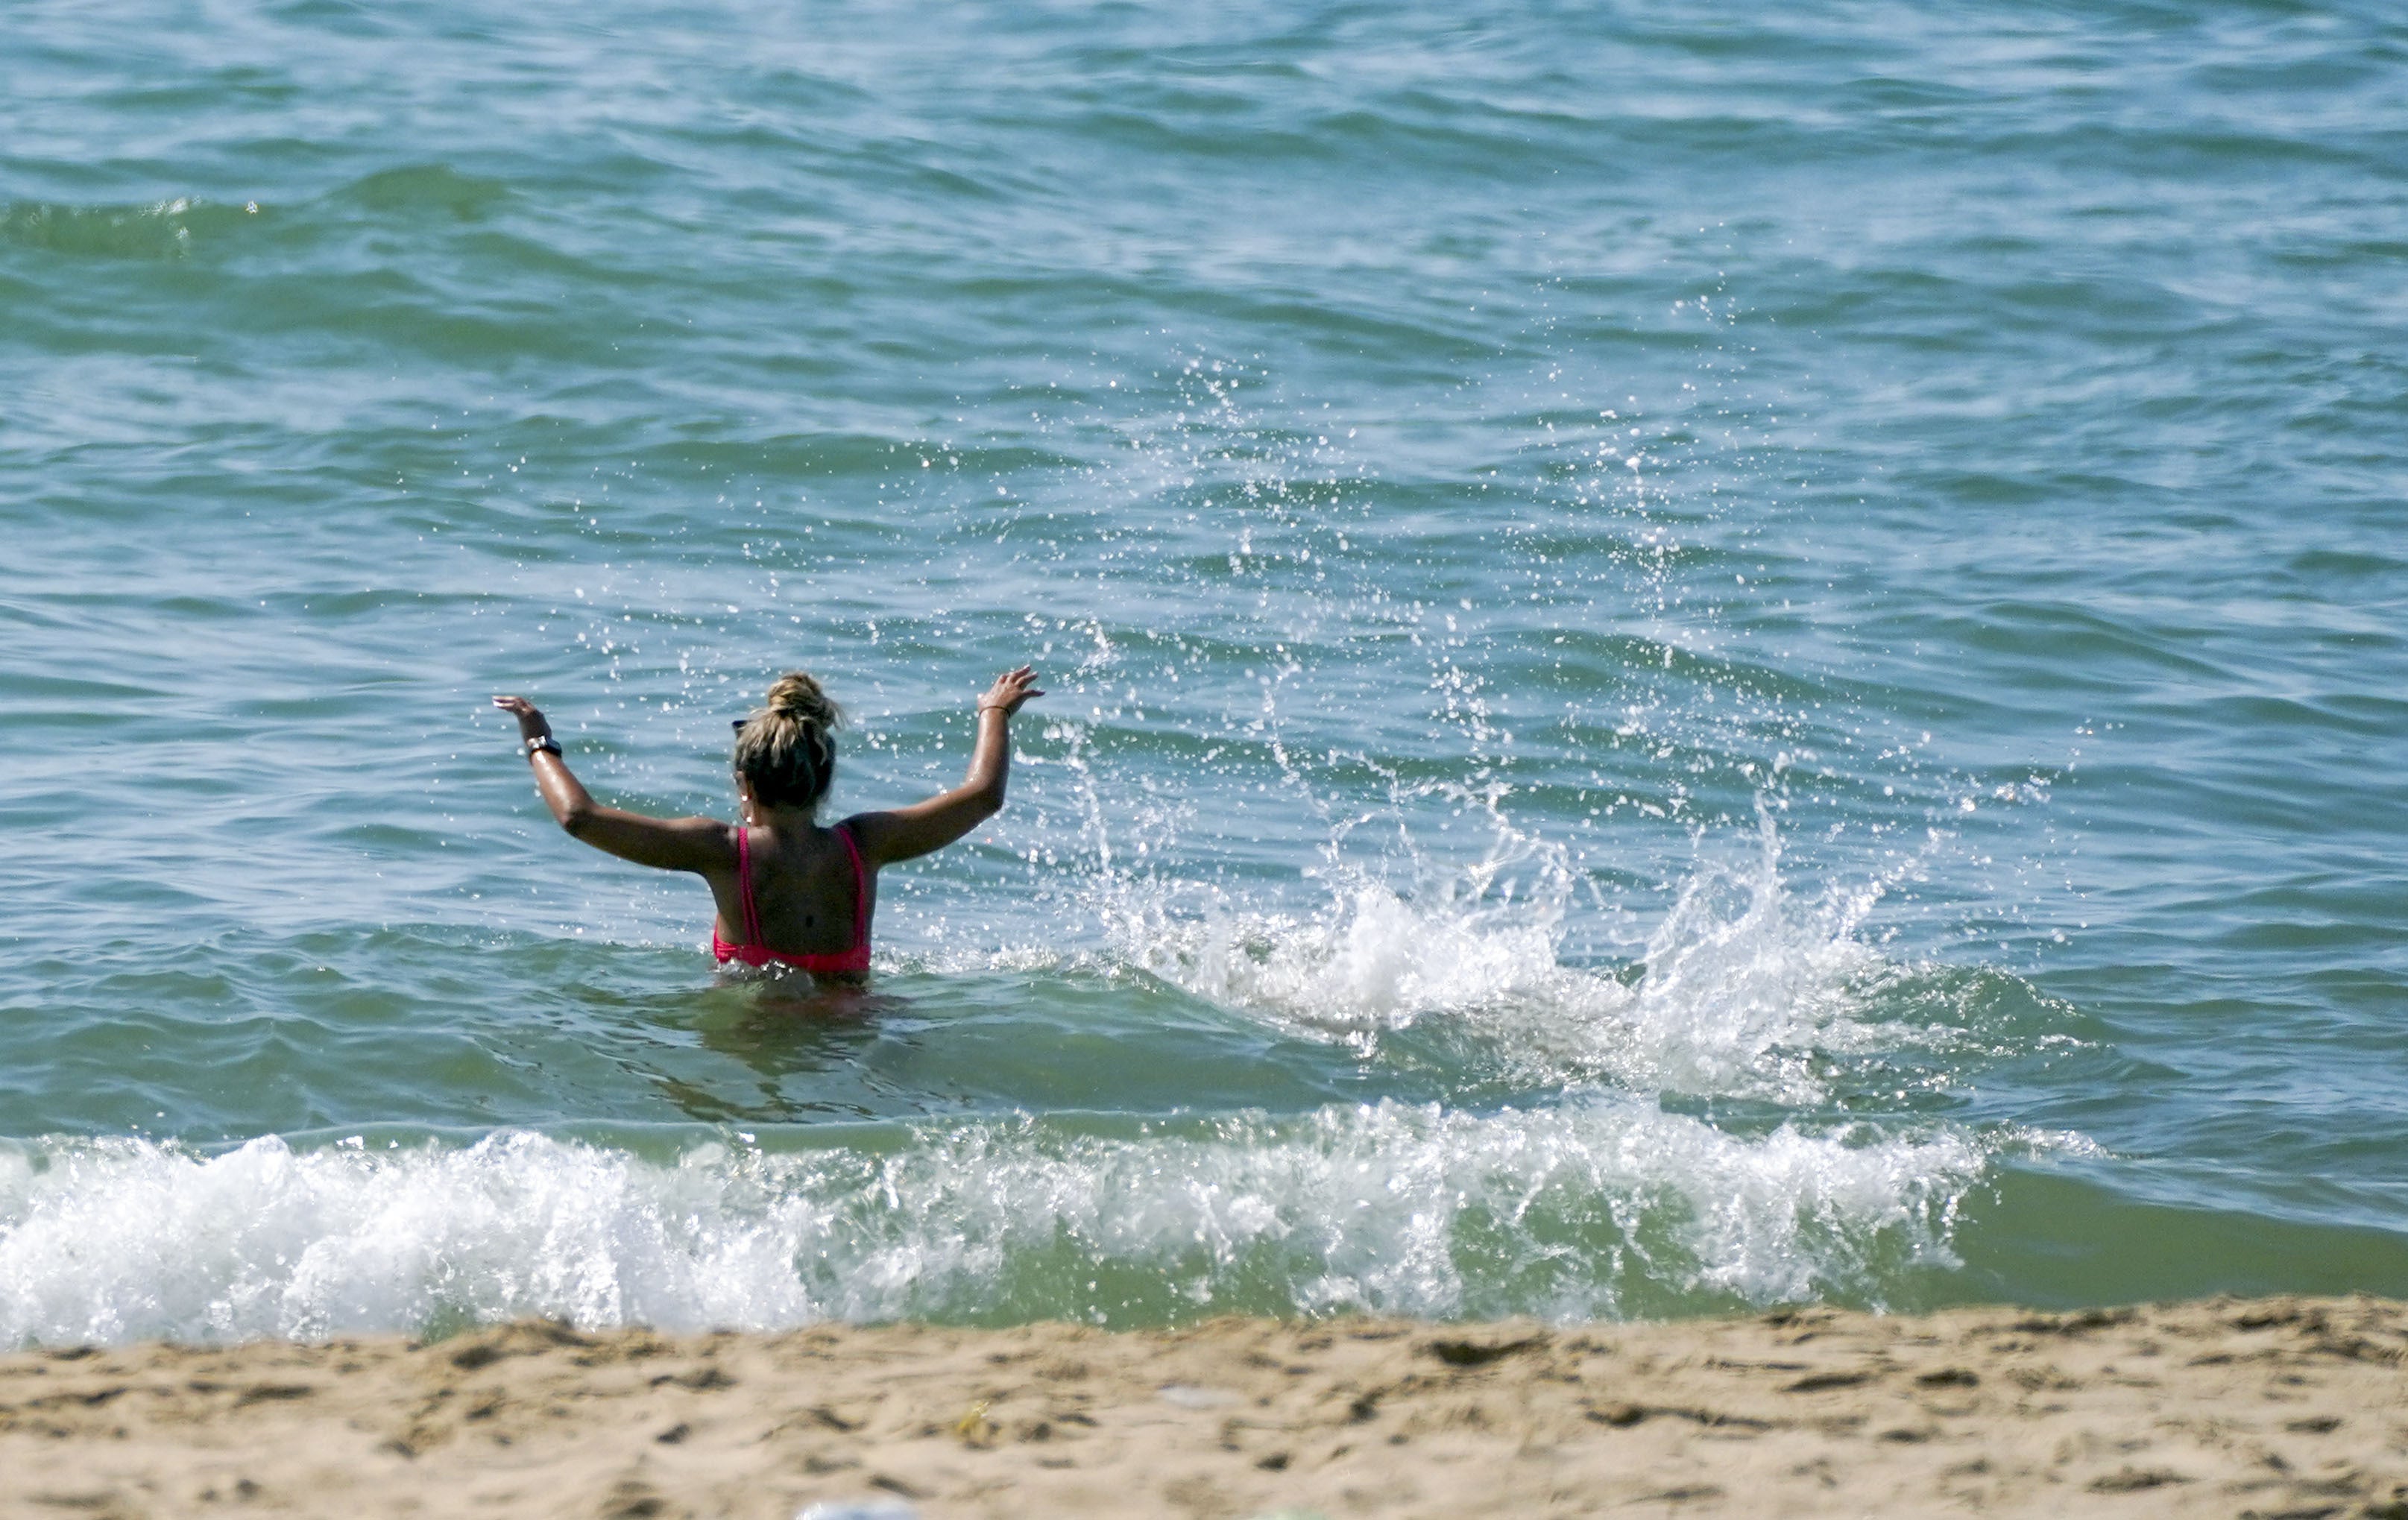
{"x":1010,"y":690}
{"x":532,"y":723}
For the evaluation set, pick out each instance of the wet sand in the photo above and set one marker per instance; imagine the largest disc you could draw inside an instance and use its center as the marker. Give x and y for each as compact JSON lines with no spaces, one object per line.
{"x":2284,"y":1407}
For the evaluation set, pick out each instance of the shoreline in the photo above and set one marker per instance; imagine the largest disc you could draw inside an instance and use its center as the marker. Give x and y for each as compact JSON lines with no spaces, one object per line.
{"x":2286,"y":1406}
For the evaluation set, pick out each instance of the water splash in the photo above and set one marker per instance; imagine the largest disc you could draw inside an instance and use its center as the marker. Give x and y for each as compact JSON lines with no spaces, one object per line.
{"x":1740,"y":990}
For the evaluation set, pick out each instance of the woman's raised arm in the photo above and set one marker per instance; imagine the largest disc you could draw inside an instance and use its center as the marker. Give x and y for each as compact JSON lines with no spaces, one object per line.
{"x":669,"y":844}
{"x":905,"y":832}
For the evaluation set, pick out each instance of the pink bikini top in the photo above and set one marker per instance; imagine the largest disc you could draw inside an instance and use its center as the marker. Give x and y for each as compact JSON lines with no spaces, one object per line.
{"x":754,"y":952}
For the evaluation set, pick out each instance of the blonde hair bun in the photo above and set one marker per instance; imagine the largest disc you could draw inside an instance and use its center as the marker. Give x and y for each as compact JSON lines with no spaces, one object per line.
{"x":786,"y":751}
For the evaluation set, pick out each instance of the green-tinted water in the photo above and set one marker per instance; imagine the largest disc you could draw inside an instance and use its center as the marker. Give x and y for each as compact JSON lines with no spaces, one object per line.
{"x":1695,"y":659}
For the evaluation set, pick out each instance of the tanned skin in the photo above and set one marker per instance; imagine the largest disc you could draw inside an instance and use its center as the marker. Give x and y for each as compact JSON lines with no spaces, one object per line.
{"x":802,"y":882}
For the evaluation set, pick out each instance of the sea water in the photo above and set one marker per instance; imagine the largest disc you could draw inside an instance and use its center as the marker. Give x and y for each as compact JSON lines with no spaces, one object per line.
{"x":1696,"y":657}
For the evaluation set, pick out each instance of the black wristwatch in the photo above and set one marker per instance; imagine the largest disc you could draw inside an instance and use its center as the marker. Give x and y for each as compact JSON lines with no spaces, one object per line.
{"x":541,"y":742}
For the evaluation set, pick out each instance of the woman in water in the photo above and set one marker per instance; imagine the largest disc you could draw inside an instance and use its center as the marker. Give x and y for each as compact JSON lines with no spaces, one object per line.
{"x":790,"y":893}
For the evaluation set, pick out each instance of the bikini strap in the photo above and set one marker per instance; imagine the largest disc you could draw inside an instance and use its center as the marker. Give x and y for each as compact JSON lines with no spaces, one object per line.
{"x":860,"y":886}
{"x":744,"y":885}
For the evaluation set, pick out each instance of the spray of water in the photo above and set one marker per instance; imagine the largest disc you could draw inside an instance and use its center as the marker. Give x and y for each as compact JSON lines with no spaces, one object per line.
{"x":1740,"y":990}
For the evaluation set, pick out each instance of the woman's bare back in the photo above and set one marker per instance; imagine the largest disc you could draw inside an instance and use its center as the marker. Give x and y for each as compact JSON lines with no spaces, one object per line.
{"x":805,"y":890}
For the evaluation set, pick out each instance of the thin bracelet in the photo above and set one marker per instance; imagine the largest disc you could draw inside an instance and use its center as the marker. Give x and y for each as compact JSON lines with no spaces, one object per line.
{"x":1004,"y":707}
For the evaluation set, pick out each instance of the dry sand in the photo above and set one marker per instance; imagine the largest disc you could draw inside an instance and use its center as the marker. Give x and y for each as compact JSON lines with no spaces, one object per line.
{"x":2281,"y":1407}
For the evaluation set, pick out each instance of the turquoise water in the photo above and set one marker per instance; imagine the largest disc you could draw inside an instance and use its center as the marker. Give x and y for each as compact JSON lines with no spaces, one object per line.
{"x":1697,"y":657}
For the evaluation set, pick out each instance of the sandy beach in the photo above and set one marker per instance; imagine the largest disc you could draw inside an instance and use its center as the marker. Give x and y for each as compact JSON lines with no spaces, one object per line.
{"x":2284,"y":1407}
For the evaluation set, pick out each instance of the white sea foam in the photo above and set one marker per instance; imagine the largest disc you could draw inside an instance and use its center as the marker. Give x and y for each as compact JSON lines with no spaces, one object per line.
{"x":1600,"y":1205}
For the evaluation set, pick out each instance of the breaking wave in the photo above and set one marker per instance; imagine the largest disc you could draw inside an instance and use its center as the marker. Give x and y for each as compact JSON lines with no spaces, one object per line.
{"x":1602,"y":1206}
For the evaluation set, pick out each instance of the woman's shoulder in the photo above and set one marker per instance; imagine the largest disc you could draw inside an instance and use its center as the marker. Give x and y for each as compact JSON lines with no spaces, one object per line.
{"x":868,"y":831}
{"x":715,"y":837}
{"x":858,"y":827}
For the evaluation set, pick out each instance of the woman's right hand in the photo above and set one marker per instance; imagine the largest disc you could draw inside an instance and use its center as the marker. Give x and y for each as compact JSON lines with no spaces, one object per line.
{"x":532,"y":723}
{"x":1010,"y":690}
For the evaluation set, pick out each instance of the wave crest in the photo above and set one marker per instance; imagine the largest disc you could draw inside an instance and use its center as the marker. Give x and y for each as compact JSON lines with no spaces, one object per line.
{"x":1602,"y":1206}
